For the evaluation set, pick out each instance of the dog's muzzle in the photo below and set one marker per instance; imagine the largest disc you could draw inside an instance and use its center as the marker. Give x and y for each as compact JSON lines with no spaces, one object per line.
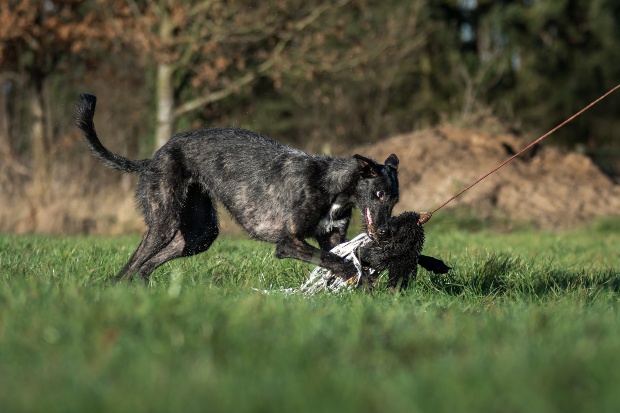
{"x":382,"y":232}
{"x":370,"y":228}
{"x":376,"y":234}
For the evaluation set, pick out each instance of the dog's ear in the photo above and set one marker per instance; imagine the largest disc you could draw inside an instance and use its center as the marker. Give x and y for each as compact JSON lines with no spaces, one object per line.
{"x":368,"y":167}
{"x":392,"y":162}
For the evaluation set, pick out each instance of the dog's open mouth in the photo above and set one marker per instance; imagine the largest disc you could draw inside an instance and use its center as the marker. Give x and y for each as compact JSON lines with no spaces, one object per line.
{"x":370,"y":228}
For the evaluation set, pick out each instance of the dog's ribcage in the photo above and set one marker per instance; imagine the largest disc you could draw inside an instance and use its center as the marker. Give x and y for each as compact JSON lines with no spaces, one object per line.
{"x":270,"y":189}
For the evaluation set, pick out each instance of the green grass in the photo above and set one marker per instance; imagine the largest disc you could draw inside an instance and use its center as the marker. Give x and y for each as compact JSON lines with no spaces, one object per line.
{"x":525,"y":322}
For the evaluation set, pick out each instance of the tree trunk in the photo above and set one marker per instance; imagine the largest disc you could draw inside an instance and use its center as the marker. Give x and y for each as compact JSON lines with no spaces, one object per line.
{"x":40,"y":143}
{"x":165,"y":89}
{"x":6,"y":148}
{"x":165,"y":105}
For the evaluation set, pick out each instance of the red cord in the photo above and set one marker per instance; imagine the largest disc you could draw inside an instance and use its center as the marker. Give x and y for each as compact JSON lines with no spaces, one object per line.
{"x":424,"y":218}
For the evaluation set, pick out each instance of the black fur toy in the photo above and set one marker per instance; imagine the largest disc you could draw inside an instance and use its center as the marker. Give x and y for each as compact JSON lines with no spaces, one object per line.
{"x":398,"y":250}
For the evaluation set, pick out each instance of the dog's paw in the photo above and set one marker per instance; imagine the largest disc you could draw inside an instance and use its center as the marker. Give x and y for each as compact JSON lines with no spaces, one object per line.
{"x":345,"y":271}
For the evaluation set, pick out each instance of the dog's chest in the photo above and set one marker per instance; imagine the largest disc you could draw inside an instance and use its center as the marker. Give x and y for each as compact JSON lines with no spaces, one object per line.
{"x":336,"y":218}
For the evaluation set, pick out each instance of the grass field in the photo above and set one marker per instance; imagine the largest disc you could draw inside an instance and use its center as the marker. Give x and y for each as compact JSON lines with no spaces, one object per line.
{"x":525,"y":322}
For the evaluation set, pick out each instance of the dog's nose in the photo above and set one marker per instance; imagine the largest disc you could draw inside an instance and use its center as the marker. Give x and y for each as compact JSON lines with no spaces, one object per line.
{"x":382,"y":231}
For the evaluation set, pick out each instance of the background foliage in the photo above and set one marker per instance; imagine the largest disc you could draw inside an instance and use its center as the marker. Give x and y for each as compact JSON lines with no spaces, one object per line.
{"x":321,"y":75}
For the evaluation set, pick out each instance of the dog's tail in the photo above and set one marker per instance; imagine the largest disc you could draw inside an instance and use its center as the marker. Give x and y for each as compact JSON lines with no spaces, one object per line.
{"x":84,"y":114}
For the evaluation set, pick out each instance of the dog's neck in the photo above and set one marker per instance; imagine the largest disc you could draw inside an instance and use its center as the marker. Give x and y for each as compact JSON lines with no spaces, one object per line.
{"x":341,"y":176}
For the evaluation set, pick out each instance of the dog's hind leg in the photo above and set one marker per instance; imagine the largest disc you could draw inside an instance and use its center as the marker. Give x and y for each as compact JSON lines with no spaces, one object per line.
{"x":171,"y":250}
{"x":196,"y":232}
{"x":160,"y":204}
{"x":155,"y":240}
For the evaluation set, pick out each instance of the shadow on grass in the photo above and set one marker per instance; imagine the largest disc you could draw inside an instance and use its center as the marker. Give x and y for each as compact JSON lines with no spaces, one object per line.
{"x":504,"y":274}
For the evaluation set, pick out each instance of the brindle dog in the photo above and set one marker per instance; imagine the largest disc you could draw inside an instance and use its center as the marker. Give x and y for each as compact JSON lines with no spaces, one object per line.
{"x":276,"y":193}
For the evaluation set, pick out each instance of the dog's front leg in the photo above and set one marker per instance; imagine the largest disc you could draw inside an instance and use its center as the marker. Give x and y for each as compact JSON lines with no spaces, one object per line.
{"x":330,"y":240}
{"x":294,"y":247}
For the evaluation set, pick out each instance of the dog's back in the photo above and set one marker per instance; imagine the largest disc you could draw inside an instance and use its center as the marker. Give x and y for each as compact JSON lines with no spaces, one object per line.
{"x":270,"y":189}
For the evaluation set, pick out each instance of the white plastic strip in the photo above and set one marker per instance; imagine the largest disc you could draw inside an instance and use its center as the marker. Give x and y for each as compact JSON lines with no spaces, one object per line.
{"x":322,"y":279}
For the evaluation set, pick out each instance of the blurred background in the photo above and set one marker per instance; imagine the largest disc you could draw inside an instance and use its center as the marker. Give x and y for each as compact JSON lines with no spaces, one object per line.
{"x":452,"y":87}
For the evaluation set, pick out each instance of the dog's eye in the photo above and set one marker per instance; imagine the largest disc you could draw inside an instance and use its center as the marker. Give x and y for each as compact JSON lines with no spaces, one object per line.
{"x":380,"y":194}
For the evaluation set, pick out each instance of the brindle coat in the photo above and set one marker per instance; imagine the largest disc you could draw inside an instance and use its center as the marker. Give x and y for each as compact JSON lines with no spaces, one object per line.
{"x":276,"y":193}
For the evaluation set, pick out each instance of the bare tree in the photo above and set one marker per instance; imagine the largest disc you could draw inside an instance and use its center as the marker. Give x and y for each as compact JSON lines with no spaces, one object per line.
{"x":36,"y":37}
{"x":218,"y":49}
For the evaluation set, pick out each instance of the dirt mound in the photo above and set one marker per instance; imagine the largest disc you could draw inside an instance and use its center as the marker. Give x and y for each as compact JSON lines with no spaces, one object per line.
{"x":546,"y":186}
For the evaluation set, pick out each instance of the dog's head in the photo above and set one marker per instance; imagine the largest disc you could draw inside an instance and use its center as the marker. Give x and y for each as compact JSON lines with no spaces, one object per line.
{"x":377,"y":193}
